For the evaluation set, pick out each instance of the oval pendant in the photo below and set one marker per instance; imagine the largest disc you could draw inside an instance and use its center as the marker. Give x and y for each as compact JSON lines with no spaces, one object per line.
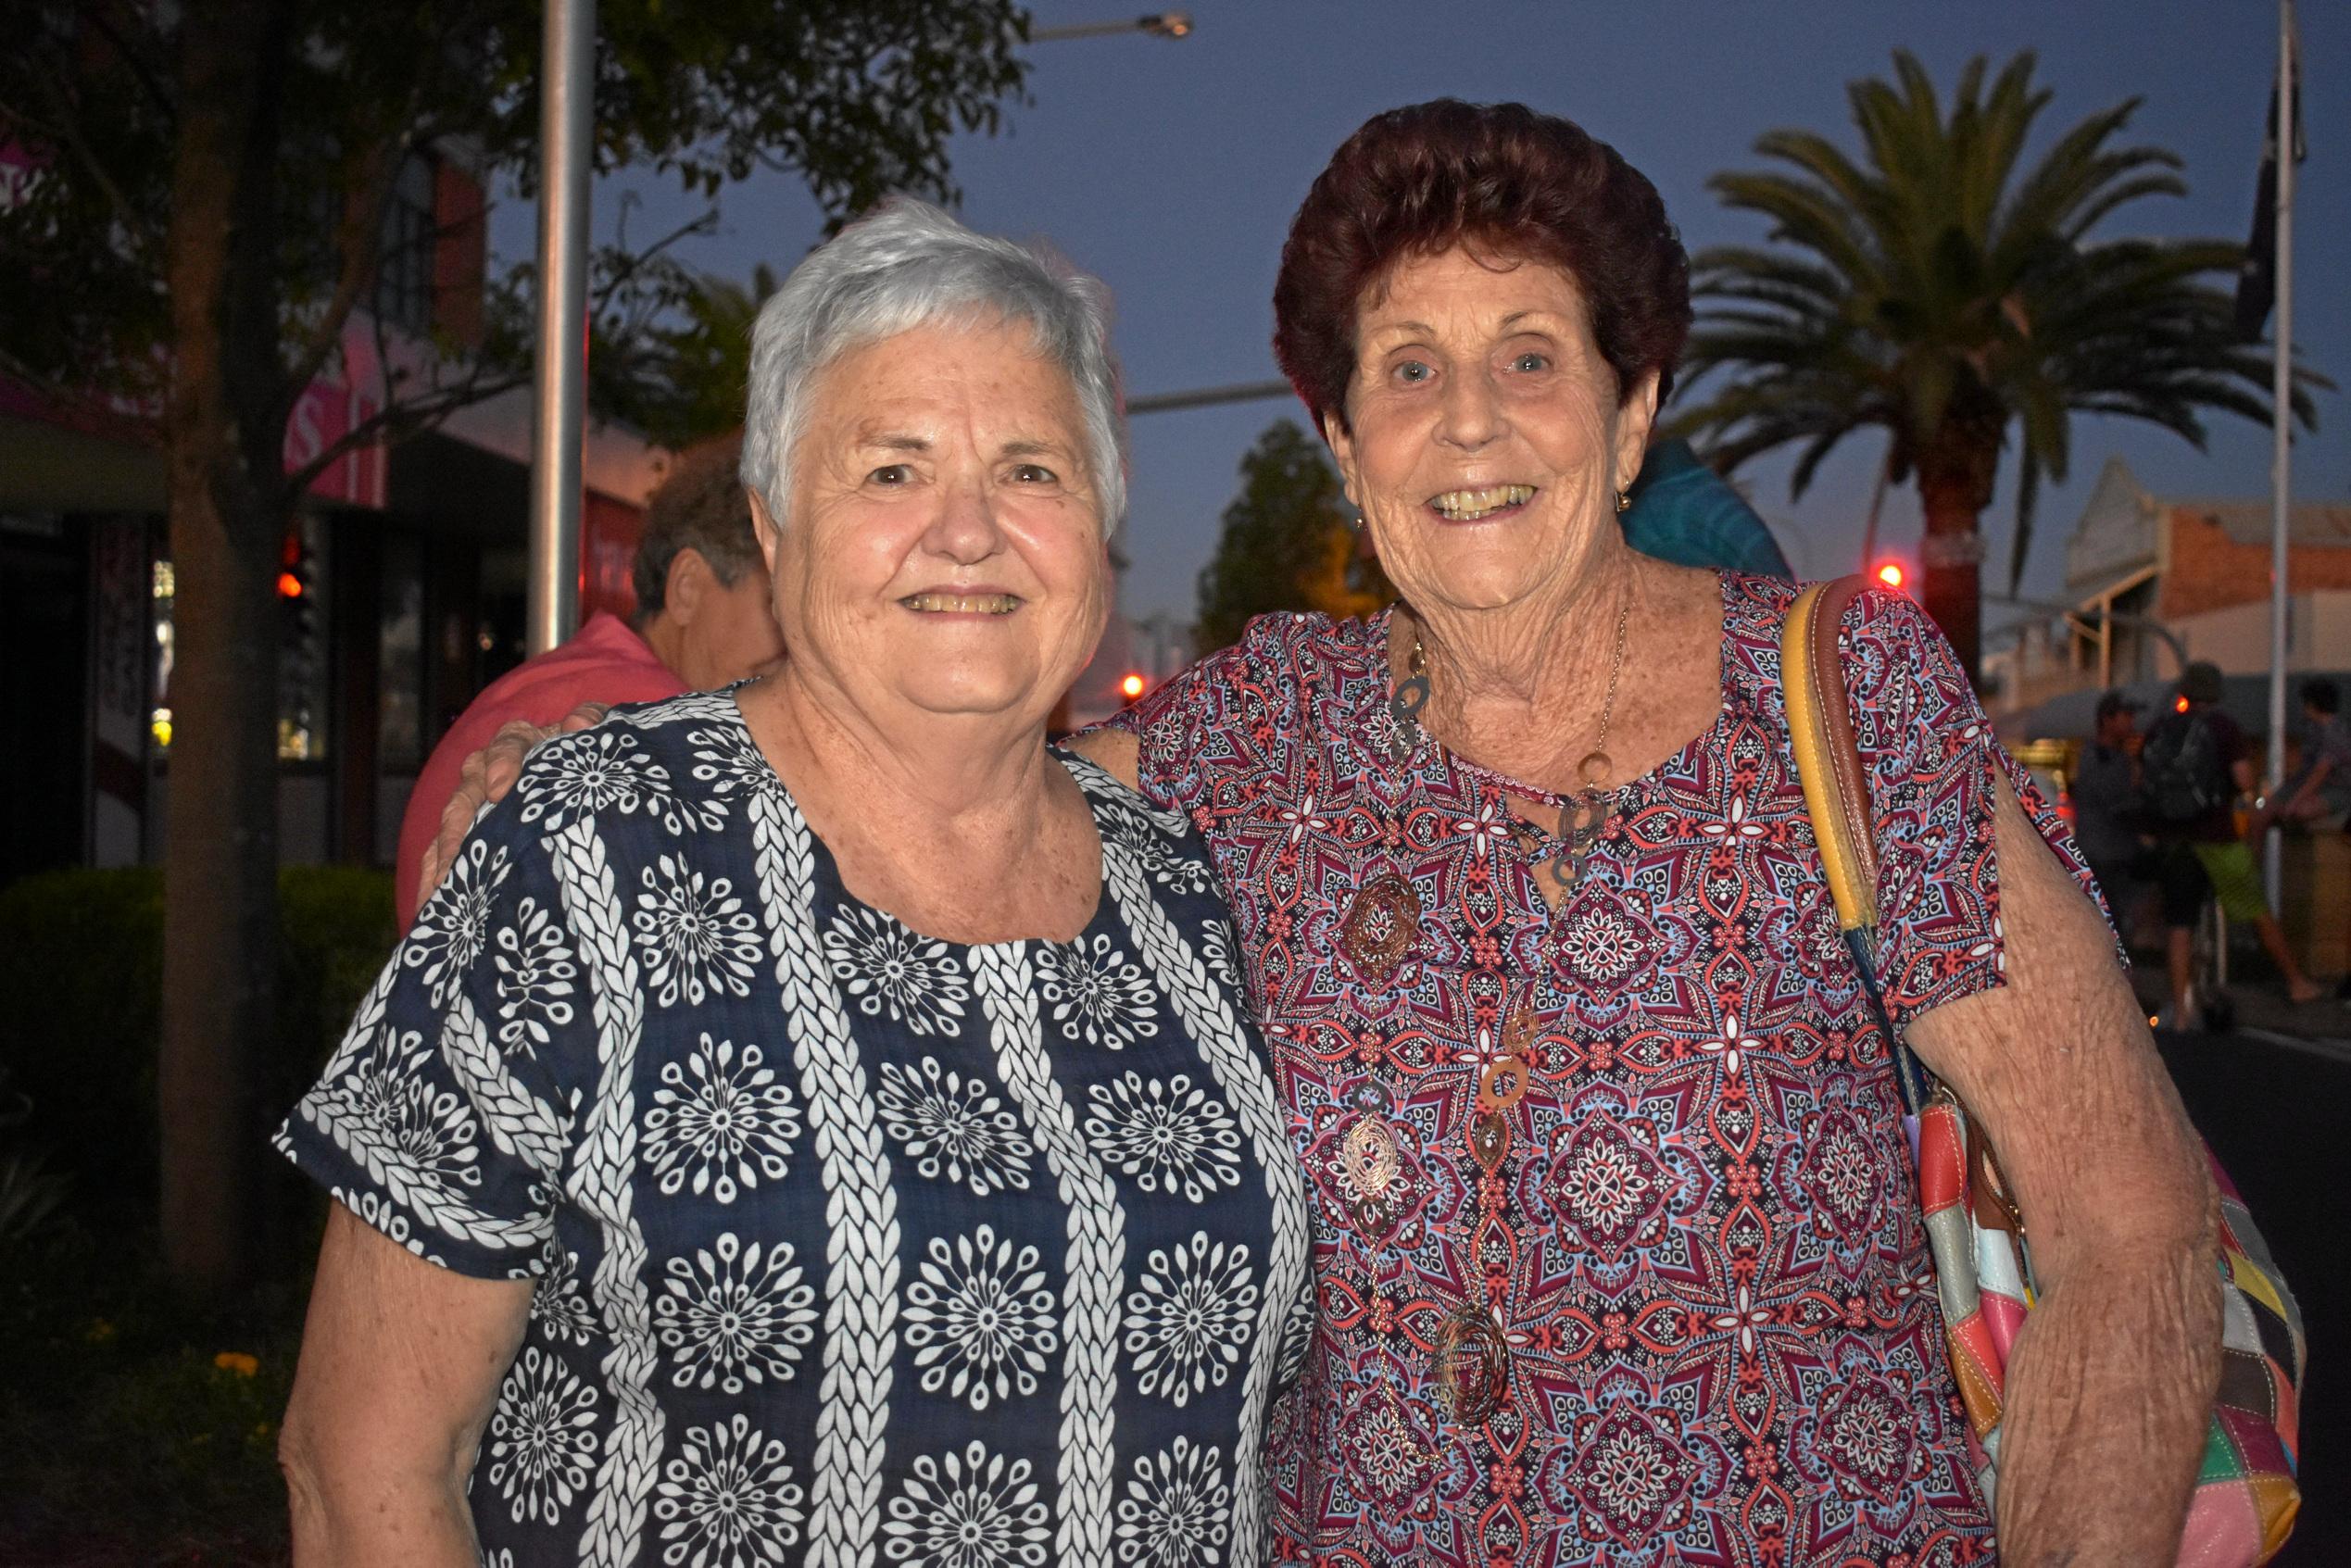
{"x":1473,"y":1364}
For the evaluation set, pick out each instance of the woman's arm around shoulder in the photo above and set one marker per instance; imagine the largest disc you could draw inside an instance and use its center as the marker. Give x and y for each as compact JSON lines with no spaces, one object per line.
{"x":401,"y":1361}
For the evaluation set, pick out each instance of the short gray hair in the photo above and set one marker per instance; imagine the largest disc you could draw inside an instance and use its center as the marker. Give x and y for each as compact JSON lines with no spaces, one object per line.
{"x":910,"y":265}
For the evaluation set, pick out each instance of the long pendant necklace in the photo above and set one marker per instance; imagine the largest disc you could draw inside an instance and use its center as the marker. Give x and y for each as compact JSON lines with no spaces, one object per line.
{"x":1584,"y":811}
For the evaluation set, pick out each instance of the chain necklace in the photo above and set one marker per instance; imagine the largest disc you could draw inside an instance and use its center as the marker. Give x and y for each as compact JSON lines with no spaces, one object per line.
{"x":1585,"y":811}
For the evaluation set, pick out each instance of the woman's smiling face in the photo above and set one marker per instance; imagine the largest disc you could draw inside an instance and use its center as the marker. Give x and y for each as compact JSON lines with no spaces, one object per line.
{"x":945,"y":547}
{"x":1488,"y":437}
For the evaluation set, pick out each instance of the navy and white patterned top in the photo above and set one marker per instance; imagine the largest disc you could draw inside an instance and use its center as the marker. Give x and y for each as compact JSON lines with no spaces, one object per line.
{"x":852,"y":1245}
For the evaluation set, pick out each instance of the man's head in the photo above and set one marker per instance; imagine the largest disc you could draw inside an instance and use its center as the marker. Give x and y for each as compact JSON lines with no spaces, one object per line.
{"x":2320,"y":698}
{"x":2117,"y":715}
{"x":2200,"y":682}
{"x":702,"y":585}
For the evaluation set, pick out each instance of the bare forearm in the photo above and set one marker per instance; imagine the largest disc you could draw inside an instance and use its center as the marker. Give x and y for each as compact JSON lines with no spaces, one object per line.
{"x":387,"y":1526}
{"x":2109,"y":1395}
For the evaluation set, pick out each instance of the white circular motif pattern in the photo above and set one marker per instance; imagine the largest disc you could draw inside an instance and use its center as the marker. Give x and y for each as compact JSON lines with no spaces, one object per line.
{"x":1178,"y":1509}
{"x":732,"y":1314}
{"x":953,"y":1126}
{"x":454,"y":926}
{"x":698,"y":939}
{"x":883,"y":964}
{"x":541,"y":1438}
{"x":1098,"y":994}
{"x":1170,"y":1137}
{"x":980,"y":1318}
{"x":727,"y":1499}
{"x":724,"y":1121}
{"x":967,"y":1509}
{"x":1191,"y":1317}
{"x":558,"y":1304}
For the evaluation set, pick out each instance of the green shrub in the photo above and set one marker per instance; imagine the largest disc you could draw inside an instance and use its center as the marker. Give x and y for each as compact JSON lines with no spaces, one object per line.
{"x":82,"y":963}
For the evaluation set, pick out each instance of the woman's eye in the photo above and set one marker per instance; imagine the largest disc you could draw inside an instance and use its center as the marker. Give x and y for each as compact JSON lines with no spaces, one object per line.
{"x":891,"y":473}
{"x":1412,"y":372}
{"x":1530,"y":361}
{"x":1034,"y":473}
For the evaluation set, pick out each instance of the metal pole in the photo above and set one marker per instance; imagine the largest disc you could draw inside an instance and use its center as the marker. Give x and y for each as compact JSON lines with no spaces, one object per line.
{"x":2281,"y":442}
{"x":567,"y":104}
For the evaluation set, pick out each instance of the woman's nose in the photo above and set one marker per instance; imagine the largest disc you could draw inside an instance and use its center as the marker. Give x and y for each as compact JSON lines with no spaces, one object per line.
{"x":965,"y":529}
{"x":1470,"y":415}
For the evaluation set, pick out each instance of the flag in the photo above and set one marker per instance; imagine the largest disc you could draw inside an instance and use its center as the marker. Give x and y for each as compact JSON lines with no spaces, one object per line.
{"x":2258,"y":274}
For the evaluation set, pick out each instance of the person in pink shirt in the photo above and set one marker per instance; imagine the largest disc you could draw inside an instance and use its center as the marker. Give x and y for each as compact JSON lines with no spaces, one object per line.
{"x":702,"y":621}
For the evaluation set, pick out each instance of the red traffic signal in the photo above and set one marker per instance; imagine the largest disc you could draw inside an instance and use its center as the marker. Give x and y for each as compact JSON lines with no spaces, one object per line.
{"x":1132,"y":686}
{"x":1890,"y":574}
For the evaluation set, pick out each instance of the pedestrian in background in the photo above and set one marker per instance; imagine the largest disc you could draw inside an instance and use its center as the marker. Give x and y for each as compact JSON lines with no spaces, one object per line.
{"x":2105,"y":792}
{"x":2192,"y":766}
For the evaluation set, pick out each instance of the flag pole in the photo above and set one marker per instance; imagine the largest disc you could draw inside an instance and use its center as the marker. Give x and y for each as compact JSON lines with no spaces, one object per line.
{"x":2281,"y":445}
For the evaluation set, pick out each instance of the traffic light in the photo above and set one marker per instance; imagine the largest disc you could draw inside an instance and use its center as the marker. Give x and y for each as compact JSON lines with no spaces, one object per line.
{"x":1889,"y":575}
{"x":1132,"y":686}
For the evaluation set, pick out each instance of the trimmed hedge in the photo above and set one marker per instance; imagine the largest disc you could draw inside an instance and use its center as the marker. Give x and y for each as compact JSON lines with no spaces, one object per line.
{"x":81,"y":969}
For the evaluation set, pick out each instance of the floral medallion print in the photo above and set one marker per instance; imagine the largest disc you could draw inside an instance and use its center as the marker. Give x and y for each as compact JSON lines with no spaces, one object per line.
{"x":967,"y":1509}
{"x":542,"y":1438}
{"x":721,"y":1120}
{"x":558,"y":1304}
{"x":1629,"y":1472}
{"x":454,"y":926}
{"x":1610,"y":1185}
{"x":696,"y":938}
{"x":981,"y":1319}
{"x":1192,"y":1317}
{"x":953,"y":1127}
{"x":734,"y":1314}
{"x":1691,"y":1186}
{"x":535,"y":976}
{"x":1170,"y":1137}
{"x":1176,"y":1510}
{"x":727,"y":1499}
{"x":1386,"y":1451}
{"x":1099,"y":995}
{"x":885,"y":965}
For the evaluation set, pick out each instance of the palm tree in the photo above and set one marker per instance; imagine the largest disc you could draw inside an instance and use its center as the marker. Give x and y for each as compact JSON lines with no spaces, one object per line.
{"x":1940,"y":295}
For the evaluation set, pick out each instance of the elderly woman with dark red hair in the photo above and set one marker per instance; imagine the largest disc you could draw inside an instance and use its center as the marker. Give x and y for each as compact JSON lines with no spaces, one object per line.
{"x":1618,"y":1250}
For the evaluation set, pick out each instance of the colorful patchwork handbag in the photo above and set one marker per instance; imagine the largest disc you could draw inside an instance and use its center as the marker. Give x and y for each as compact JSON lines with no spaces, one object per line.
{"x":2245,"y":1498}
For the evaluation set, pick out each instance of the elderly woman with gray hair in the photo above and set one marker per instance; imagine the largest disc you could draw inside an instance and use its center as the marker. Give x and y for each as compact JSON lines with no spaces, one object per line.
{"x":814,"y":1122}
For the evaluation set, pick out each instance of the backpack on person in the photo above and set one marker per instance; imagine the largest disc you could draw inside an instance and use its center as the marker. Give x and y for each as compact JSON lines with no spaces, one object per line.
{"x":2183,"y":776}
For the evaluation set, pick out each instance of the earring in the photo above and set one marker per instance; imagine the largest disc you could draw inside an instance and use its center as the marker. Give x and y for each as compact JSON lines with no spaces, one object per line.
{"x":1624,"y":501}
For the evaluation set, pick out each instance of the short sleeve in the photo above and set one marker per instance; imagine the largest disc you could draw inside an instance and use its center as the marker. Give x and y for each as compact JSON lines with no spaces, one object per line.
{"x":1172,"y":723}
{"x":1931,"y":756}
{"x":445,"y":1117}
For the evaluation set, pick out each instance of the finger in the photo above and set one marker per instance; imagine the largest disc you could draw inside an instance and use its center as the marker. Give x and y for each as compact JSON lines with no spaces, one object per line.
{"x":586,"y":716}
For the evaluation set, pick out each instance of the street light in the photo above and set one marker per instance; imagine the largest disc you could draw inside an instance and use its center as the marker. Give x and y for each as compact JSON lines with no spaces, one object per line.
{"x":1159,"y":24}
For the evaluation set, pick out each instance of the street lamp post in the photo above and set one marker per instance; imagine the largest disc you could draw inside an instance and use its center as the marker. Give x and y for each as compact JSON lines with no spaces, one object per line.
{"x":1159,"y":24}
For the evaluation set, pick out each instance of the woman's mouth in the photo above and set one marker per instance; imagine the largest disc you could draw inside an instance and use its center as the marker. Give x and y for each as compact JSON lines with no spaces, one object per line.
{"x":962,"y":604}
{"x":1477,"y":506}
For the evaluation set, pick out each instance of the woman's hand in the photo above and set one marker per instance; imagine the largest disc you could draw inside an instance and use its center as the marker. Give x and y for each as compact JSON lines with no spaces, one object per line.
{"x":400,"y":1366}
{"x":2113,"y":1375}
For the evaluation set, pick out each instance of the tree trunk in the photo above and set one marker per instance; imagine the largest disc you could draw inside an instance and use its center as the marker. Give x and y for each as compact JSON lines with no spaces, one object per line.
{"x":1955,"y":485}
{"x":224,"y":423}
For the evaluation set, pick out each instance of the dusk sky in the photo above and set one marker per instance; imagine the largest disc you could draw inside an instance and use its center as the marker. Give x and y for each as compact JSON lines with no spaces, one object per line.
{"x":1171,"y":169}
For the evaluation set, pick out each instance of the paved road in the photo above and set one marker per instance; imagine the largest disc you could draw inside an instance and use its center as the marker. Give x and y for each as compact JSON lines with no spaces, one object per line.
{"x":2276,"y":1107}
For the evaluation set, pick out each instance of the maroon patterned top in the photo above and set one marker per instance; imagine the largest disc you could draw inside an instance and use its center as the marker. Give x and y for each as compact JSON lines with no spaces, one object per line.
{"x":1617,"y":1243}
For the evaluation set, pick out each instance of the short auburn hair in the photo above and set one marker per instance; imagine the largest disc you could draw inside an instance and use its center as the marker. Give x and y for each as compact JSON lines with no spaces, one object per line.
{"x":1418,"y":180}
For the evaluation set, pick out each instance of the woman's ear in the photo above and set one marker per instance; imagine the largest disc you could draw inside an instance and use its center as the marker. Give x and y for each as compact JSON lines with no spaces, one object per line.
{"x":1342,"y":451}
{"x":1635,"y":420}
{"x":763,"y":529}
